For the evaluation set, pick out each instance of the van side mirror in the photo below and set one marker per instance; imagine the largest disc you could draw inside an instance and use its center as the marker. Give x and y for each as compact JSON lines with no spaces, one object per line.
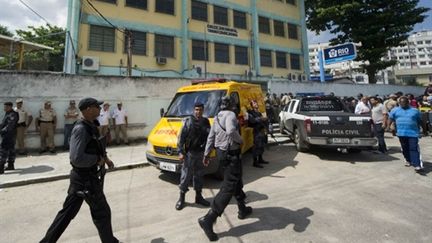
{"x":162,"y":112}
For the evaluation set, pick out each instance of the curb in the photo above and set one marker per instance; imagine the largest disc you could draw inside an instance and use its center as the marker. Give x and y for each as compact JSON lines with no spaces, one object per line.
{"x":65,"y":176}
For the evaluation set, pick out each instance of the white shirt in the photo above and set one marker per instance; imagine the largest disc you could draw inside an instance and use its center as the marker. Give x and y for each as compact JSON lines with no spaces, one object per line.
{"x":104,"y":117}
{"x":362,"y":108}
{"x":22,"y":114}
{"x":119,"y":116}
{"x":378,"y":114}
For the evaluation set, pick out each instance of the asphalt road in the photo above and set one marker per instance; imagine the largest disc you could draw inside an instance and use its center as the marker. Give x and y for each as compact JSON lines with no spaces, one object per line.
{"x":325,"y":196}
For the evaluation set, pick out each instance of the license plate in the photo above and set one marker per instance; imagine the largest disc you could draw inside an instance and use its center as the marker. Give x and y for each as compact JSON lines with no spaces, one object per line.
{"x":341,"y":140}
{"x":167,"y":166}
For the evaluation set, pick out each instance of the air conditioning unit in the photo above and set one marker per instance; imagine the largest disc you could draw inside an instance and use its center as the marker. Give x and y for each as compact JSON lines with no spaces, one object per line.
{"x":90,"y":63}
{"x":294,"y":77}
{"x":161,"y":60}
{"x":289,"y":76}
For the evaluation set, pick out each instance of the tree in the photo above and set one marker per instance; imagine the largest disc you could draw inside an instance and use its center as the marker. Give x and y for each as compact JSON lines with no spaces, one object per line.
{"x":52,"y":36}
{"x":4,"y":30}
{"x":377,"y":24}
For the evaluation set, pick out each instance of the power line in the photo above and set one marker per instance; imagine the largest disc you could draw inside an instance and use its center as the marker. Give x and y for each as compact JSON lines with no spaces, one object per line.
{"x":40,"y":16}
{"x":106,"y":20}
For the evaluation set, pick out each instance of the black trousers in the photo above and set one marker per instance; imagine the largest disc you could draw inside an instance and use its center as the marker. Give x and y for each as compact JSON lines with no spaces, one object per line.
{"x":84,"y":185}
{"x":232,"y":184}
{"x":7,"y":150}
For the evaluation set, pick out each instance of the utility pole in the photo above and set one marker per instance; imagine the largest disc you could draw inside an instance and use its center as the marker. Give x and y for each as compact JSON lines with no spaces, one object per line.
{"x":205,"y":51}
{"x":129,"y":52}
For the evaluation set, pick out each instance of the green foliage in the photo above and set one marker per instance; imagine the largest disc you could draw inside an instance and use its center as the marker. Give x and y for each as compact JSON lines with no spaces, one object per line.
{"x":4,"y":30}
{"x":377,"y":24}
{"x":52,"y":36}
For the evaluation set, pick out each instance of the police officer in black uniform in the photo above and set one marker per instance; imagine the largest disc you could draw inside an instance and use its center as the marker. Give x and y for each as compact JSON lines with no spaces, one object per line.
{"x":88,"y":159}
{"x":191,"y":145}
{"x":8,"y":134}
{"x":259,"y":124}
{"x":225,"y":138}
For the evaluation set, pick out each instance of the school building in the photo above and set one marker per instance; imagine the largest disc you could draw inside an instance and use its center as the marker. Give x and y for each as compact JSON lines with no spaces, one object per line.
{"x":238,"y":39}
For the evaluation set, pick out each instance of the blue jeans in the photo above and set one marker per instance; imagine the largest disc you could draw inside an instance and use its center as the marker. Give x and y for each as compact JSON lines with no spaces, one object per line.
{"x":410,"y":150}
{"x":379,"y":134}
{"x":67,"y":135}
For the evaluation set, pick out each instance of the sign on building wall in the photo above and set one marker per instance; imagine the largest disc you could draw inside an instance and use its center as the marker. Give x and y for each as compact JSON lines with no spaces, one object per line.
{"x":221,"y":30}
{"x":341,"y":53}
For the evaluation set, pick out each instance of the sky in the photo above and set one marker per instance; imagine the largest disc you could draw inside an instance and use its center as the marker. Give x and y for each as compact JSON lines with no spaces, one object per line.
{"x":15,"y":15}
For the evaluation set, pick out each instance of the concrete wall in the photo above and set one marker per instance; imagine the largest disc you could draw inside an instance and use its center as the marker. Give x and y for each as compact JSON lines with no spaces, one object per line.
{"x":342,"y":89}
{"x":142,"y":98}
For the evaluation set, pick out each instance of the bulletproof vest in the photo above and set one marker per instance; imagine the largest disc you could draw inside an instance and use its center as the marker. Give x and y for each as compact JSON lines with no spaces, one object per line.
{"x":259,"y":125}
{"x":198,"y":134}
{"x":95,"y":146}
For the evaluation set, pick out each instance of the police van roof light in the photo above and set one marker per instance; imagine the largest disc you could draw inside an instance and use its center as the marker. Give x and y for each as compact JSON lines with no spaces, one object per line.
{"x":211,"y":80}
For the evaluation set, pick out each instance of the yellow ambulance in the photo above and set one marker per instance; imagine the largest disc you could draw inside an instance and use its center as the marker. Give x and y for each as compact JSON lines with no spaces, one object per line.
{"x":162,"y":141}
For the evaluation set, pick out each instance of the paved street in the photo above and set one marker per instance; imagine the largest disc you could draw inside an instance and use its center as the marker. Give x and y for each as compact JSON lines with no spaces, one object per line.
{"x":321,"y":197}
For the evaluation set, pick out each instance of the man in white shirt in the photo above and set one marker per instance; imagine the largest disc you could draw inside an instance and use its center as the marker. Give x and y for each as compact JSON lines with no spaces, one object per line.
{"x":120,"y":123}
{"x":379,"y":118}
{"x":363,"y":107}
{"x":25,"y":118}
{"x":104,"y":119}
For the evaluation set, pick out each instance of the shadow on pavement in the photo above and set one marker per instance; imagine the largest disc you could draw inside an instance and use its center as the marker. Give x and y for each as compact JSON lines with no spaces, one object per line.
{"x":272,"y":218}
{"x":427,"y":168}
{"x":359,"y":157}
{"x":158,"y":240}
{"x":32,"y":170}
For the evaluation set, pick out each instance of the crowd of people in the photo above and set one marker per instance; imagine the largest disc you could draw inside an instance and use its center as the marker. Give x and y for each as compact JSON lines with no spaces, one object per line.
{"x":18,"y":119}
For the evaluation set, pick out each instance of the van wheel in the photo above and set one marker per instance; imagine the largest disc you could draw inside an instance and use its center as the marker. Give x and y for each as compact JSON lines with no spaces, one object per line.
{"x":299,"y":142}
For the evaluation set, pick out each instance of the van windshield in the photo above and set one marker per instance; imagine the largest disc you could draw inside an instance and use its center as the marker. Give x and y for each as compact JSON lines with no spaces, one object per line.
{"x":183,"y":103}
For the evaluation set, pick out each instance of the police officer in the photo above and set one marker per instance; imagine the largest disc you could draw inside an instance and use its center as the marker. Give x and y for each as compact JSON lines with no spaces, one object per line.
{"x":191,"y":145}
{"x":259,"y":124}
{"x":46,"y":123}
{"x":8,"y":134}
{"x":225,"y":137}
{"x":88,"y":159}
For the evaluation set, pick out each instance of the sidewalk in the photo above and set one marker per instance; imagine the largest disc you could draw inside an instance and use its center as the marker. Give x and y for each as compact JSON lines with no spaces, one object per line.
{"x":35,"y":168}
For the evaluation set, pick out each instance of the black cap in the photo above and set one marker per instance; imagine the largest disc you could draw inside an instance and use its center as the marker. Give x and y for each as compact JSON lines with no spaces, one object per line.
{"x":8,"y":103}
{"x":87,"y":102}
{"x":198,"y":104}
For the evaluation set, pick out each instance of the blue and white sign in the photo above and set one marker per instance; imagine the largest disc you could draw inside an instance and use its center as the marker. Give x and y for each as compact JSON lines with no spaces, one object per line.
{"x":341,"y":53}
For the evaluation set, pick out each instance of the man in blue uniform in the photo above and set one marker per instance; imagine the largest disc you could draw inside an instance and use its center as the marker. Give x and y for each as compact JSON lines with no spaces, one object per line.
{"x":259,"y":124}
{"x":191,"y":144}
{"x":88,"y":159}
{"x":8,"y":134}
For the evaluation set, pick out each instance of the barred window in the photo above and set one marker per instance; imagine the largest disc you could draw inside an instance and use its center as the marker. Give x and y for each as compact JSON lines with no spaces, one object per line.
{"x":264,"y":25}
{"x":279,"y":28}
{"x":199,"y":10}
{"x":266,"y":58}
{"x":220,"y":15}
{"x":292,"y":31}
{"x":293,"y":2}
{"x":281,"y":59}
{"x":199,"y":50}
{"x":138,"y":43}
{"x":165,"y":6}
{"x":295,"y":61}
{"x":240,"y":20}
{"x":221,"y":53}
{"x":102,"y":38}
{"x":164,"y":46}
{"x":241,"y":55}
{"x":142,"y":4}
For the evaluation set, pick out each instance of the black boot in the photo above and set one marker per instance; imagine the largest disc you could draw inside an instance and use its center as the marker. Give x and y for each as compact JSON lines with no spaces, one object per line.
{"x":1,"y":168}
{"x":10,"y":166}
{"x":181,"y":202}
{"x":244,"y":211}
{"x":200,"y":200}
{"x":256,"y":163}
{"x":206,"y":224}
{"x":261,"y":160}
